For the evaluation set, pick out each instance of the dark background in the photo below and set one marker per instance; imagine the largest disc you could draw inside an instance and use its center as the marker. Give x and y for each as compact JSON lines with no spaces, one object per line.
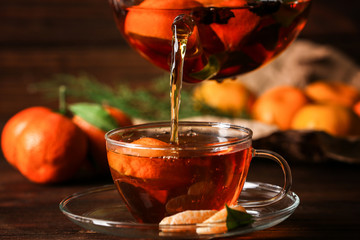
{"x":39,"y":38}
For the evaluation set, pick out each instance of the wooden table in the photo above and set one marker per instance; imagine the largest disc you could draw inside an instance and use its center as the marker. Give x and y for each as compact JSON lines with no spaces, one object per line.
{"x":329,"y":208}
{"x":40,"y":38}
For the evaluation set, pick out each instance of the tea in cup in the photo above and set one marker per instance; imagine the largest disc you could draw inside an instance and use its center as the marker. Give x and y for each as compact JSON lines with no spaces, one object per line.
{"x":205,"y":170}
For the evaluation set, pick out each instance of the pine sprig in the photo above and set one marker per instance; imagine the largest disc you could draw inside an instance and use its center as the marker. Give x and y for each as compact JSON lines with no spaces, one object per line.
{"x":151,"y":102}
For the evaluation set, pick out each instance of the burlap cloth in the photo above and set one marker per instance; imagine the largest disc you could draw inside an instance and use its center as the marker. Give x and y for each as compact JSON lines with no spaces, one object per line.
{"x":304,"y":62}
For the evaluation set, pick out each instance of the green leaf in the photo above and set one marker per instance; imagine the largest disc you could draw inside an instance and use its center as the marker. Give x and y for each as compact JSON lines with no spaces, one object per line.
{"x":209,"y":70}
{"x":94,"y":114}
{"x":148,"y":101}
{"x":237,"y":219}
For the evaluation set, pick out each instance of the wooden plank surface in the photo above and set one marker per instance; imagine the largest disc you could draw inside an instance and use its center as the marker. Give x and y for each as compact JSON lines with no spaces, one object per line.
{"x":328,"y":210}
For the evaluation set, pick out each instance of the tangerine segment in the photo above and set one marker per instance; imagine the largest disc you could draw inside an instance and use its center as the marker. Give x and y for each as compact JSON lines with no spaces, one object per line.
{"x":221,"y":215}
{"x":216,"y":218}
{"x":188,"y":217}
{"x":220,"y":219}
{"x":218,"y":228}
{"x":153,"y":18}
{"x":200,"y":188}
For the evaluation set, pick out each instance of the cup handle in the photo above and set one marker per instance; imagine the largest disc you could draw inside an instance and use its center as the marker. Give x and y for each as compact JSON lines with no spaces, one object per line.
{"x":287,"y":178}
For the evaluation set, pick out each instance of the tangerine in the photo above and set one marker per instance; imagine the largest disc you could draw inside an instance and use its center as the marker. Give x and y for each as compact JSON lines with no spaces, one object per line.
{"x":333,"y":119}
{"x":279,"y":105}
{"x":356,"y":108}
{"x":334,"y":92}
{"x":96,"y":132}
{"x":229,"y":97}
{"x":45,"y":146}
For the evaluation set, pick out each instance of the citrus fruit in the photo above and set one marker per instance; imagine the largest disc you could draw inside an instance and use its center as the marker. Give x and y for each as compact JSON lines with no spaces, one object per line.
{"x":220,"y":218}
{"x":217,"y":219}
{"x":228,"y":97}
{"x":188,"y":217}
{"x":95,"y":120}
{"x":239,"y":25}
{"x":45,"y":146}
{"x":333,"y":119}
{"x":334,"y":92}
{"x":356,"y":108}
{"x":149,"y":20}
{"x":155,"y":165}
{"x":221,"y":215}
{"x":279,"y":105}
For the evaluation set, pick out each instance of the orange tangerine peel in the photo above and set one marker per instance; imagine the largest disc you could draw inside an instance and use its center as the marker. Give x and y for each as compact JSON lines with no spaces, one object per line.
{"x":153,"y":18}
{"x":356,"y":108}
{"x":188,"y":217}
{"x":239,"y":26}
{"x":127,"y":161}
{"x":220,"y":218}
{"x":147,"y":163}
{"x":148,"y":142}
{"x":202,"y":217}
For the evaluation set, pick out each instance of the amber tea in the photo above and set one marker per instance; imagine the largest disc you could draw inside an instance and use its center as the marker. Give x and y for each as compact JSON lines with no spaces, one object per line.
{"x":205,"y":170}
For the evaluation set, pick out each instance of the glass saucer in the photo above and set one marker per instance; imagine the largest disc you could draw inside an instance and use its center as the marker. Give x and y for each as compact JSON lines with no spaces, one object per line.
{"x":102,"y":210}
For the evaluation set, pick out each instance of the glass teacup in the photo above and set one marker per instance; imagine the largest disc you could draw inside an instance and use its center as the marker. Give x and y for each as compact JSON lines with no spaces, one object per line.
{"x":206,"y":170}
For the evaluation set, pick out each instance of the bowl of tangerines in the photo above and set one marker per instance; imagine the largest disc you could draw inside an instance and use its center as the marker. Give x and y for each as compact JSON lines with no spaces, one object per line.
{"x":323,"y":117}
